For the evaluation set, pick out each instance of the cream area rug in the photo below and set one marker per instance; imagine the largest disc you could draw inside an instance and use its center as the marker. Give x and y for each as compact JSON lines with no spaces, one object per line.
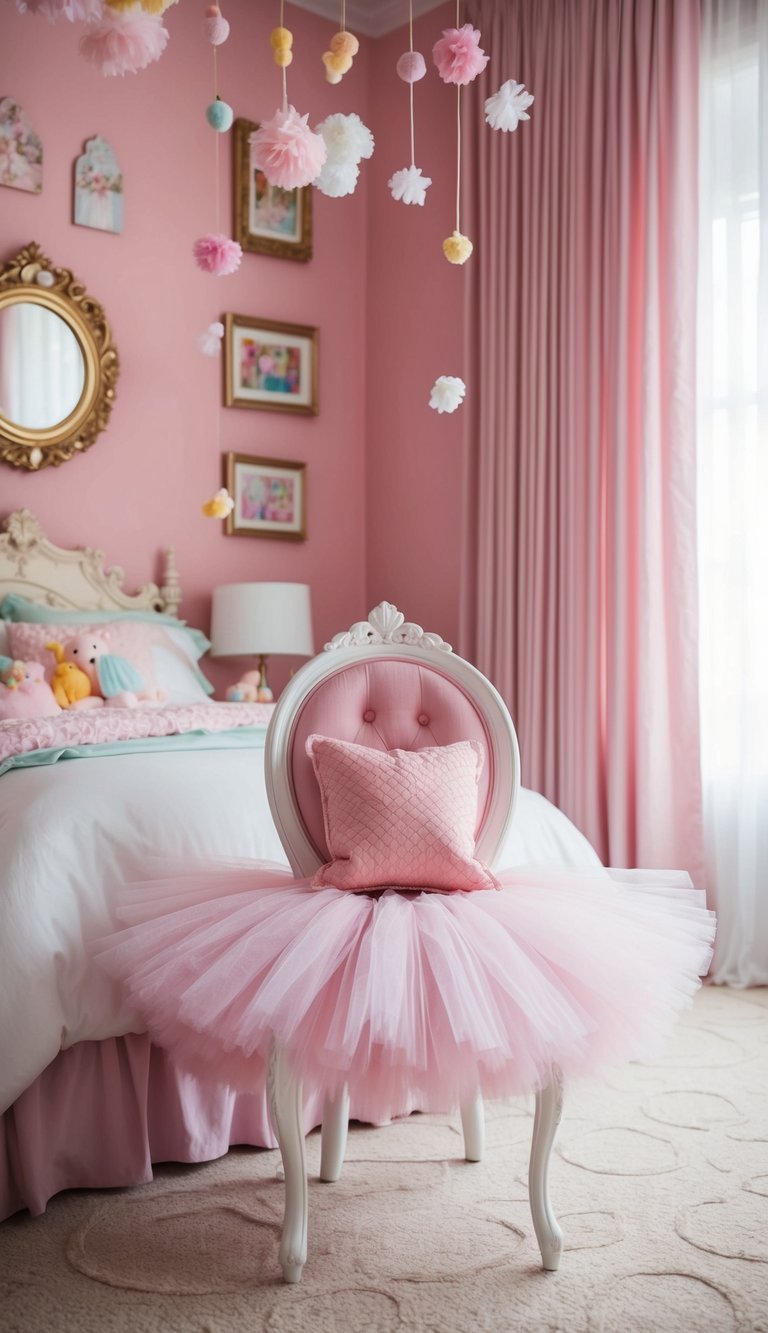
{"x":659,"y":1178}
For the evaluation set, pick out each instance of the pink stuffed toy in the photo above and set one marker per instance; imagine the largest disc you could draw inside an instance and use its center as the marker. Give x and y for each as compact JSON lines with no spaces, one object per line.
{"x":30,"y":696}
{"x":113,"y":678}
{"x":250,"y":690}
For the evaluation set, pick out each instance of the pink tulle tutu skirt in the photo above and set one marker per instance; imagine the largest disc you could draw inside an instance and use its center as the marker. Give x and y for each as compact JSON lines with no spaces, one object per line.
{"x":412,"y":999}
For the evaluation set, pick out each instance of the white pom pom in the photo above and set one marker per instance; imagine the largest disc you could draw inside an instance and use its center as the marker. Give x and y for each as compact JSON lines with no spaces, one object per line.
{"x":347,"y":139}
{"x":337,"y":179}
{"x":447,"y":393}
{"x":507,"y":107}
{"x":210,"y":341}
{"x":409,"y":185}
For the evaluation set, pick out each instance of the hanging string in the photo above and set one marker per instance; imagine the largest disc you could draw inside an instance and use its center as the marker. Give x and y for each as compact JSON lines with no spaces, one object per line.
{"x":458,"y":138}
{"x":410,"y":85}
{"x":343,"y":15}
{"x":285,"y":68}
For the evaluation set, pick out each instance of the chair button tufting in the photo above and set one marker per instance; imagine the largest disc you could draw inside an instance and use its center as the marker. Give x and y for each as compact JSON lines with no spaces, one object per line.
{"x":423,"y":720}
{"x":368,"y":715}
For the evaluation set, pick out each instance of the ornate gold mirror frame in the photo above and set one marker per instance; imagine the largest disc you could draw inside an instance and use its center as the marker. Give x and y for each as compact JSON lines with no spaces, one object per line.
{"x":31,"y":278}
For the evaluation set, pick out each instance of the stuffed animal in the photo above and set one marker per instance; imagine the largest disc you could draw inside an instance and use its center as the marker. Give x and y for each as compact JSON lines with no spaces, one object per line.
{"x":31,"y":696}
{"x":12,"y":673}
{"x":71,"y":686}
{"x":249,"y":690}
{"x":112,"y":678}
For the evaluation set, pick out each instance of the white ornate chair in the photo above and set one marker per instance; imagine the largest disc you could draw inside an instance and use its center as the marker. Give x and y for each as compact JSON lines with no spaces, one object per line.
{"x":389,"y":685}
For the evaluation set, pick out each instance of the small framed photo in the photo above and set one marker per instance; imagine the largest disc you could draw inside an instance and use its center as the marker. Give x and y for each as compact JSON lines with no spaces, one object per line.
{"x":270,"y":496}
{"x":270,"y":365}
{"x":268,"y":219}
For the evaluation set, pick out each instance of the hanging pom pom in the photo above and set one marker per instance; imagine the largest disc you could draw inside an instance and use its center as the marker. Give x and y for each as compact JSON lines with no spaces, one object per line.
{"x":77,"y":11}
{"x":218,"y":254}
{"x":220,"y":505}
{"x":219,"y":116}
{"x":120,"y":6}
{"x":447,"y":393}
{"x":409,"y":185}
{"x":337,"y":179}
{"x":209,"y":342}
{"x":282,"y":41}
{"x":508,"y":106}
{"x":215,"y":26}
{"x":411,"y":66}
{"x":457,"y":248}
{"x":344,"y":44}
{"x":124,"y":44}
{"x":287,"y":150}
{"x":157,"y":6}
{"x":458,"y":56}
{"x":346,"y":138}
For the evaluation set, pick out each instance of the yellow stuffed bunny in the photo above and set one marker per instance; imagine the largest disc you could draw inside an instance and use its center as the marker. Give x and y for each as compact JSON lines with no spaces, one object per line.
{"x":69,"y":683}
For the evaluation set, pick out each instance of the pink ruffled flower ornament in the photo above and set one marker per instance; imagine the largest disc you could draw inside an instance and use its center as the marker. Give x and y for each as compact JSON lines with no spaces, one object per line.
{"x":215,"y":25}
{"x":289,"y":153}
{"x":124,"y":43}
{"x":458,"y":55}
{"x":217,"y":254}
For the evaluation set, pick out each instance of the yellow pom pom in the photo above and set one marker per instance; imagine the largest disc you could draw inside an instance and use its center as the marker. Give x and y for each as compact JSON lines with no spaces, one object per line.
{"x":337,"y":64}
{"x":281,"y":39}
{"x":120,"y":5}
{"x":457,"y":248}
{"x":220,"y":506}
{"x":345,"y":44}
{"x":156,"y":6}
{"x":282,"y":58}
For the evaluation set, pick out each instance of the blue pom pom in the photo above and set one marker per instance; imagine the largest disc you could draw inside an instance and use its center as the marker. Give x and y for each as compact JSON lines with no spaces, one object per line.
{"x":220,"y":115}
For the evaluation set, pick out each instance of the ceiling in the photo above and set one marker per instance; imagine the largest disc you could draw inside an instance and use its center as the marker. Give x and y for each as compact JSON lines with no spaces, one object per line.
{"x":369,"y":18}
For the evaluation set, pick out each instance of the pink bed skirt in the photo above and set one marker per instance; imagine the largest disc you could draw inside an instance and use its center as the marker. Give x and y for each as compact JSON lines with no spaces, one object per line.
{"x":104,"y":1111}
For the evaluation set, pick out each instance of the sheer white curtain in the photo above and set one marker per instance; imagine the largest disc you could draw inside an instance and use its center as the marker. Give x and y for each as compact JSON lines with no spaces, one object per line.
{"x":733,"y":478}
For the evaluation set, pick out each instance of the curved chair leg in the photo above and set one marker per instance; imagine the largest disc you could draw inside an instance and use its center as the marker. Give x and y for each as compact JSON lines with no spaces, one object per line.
{"x":473,"y":1124}
{"x":333,"y":1136}
{"x":549,"y":1108}
{"x":284,"y":1093}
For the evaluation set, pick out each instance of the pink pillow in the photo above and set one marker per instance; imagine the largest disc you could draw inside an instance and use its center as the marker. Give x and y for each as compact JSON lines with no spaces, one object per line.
{"x":399,"y":818}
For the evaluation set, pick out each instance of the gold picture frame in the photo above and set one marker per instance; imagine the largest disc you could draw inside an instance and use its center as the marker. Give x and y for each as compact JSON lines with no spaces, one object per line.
{"x":270,"y":496}
{"x":270,"y":365}
{"x":268,"y":220}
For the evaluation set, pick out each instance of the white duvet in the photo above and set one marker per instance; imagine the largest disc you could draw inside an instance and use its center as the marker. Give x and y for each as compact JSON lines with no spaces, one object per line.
{"x":72,"y":833}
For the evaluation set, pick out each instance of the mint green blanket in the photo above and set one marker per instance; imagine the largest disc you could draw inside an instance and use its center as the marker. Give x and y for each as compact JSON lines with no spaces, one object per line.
{"x":240,"y":738}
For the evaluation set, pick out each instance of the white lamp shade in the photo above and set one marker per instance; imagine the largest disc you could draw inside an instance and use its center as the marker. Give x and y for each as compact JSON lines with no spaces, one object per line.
{"x":253,"y":618}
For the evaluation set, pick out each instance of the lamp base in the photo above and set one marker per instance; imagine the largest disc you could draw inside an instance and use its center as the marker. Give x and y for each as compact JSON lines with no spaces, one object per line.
{"x":264,"y":694}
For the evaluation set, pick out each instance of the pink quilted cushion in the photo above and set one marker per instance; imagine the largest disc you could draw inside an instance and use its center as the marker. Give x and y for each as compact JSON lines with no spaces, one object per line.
{"x":403,"y":818}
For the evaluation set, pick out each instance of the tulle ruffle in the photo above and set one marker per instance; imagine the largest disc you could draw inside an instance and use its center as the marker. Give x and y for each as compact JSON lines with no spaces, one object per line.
{"x":413,"y":999}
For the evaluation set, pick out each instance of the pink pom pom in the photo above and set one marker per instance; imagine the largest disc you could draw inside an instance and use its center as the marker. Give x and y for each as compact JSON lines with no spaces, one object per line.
{"x":216,"y":253}
{"x":412,"y":66}
{"x":124,"y":43}
{"x":458,"y":56}
{"x":77,"y":11}
{"x":288,"y":152}
{"x":216,"y":29}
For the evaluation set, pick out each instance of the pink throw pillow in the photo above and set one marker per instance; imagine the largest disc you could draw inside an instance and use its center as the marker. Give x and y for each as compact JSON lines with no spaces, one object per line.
{"x":399,"y":818}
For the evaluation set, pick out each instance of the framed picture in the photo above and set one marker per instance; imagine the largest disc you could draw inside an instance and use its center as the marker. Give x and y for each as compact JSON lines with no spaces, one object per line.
{"x":268,"y":220}
{"x":270,"y":365}
{"x":270,"y":496}
{"x":98,"y":188}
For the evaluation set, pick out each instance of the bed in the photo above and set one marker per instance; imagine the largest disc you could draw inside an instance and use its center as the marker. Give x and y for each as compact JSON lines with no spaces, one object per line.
{"x":86,"y":1099}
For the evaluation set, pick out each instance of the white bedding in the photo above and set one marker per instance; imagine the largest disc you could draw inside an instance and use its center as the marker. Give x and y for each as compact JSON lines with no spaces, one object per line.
{"x":73,"y":832}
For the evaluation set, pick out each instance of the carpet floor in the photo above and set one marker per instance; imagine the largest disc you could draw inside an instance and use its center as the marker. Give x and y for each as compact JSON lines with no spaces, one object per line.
{"x":659,"y":1178}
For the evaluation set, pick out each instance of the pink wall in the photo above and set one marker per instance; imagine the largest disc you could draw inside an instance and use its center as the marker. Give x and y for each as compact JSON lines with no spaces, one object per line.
{"x":415,"y":333}
{"x":142,"y":483}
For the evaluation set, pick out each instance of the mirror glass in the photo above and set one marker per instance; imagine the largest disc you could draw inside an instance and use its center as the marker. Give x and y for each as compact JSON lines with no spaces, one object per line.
{"x":42,"y":370}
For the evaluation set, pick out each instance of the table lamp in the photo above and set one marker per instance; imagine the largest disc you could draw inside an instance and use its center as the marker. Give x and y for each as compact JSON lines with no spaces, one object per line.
{"x":260,"y":619}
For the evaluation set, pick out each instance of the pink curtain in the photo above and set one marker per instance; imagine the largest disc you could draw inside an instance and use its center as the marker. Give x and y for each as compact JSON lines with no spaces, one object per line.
{"x":580,"y":593}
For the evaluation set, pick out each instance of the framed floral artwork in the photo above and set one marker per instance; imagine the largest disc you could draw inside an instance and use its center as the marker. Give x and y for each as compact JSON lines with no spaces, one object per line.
{"x":270,"y":496}
{"x":270,"y":365}
{"x":98,"y":188}
{"x":268,"y":220}
{"x":21,"y":150}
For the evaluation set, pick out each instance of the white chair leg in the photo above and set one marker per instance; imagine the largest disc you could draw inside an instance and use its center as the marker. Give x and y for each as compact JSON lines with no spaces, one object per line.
{"x":333,"y":1136}
{"x":473,"y":1124}
{"x":549,"y":1108}
{"x":284,"y":1094}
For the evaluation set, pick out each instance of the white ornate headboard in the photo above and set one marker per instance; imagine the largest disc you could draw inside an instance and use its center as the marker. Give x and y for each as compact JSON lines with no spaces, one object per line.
{"x":30,"y":564}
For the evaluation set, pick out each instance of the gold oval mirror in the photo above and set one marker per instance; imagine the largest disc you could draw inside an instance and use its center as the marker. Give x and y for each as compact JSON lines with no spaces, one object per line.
{"x":58,"y":367}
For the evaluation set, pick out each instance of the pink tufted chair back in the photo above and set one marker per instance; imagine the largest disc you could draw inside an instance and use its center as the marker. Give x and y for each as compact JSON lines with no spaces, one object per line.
{"x":388,"y":685}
